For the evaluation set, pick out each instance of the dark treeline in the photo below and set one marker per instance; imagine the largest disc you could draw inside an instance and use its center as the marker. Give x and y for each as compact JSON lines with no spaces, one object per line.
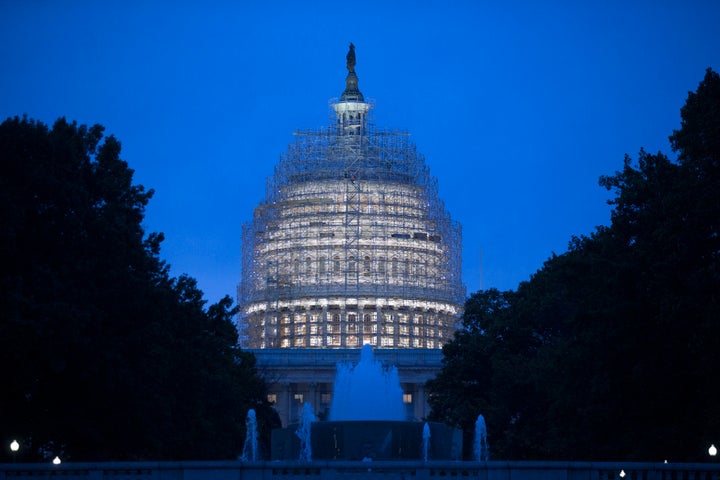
{"x":103,"y":355}
{"x":611,"y":350}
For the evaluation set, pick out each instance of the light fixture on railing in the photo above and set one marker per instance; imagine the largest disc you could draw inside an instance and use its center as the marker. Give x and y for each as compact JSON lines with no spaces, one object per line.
{"x":14,"y":447}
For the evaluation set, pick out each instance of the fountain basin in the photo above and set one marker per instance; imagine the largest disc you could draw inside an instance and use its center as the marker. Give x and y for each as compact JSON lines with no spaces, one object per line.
{"x":370,"y":439}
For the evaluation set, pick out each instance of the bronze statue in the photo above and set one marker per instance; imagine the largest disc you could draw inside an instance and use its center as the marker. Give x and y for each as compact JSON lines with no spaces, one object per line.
{"x":351,"y":59}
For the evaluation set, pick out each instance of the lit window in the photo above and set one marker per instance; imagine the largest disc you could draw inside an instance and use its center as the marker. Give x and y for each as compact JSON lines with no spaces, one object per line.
{"x":272,"y":398}
{"x":352,"y":341}
{"x":407,"y":398}
{"x":299,"y":397}
{"x":387,"y":342}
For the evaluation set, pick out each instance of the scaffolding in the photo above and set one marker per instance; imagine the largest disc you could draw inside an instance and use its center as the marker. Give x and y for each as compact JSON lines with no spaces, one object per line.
{"x":351,"y":245}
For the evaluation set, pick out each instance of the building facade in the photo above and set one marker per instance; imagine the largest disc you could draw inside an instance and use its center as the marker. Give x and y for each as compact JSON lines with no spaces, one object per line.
{"x":350,"y":246}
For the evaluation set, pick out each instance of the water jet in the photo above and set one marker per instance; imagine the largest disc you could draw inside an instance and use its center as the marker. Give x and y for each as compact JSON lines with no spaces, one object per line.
{"x":367,"y":421}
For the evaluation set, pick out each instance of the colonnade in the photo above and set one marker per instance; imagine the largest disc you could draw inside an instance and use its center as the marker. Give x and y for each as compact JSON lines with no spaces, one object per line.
{"x":299,"y":376}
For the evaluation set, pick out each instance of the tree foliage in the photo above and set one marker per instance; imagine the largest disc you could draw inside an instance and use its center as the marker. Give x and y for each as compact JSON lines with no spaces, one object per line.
{"x":609,"y":351}
{"x":103,"y":355}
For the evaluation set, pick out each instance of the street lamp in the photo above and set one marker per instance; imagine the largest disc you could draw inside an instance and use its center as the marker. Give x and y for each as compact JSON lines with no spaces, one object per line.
{"x":56,"y":460}
{"x":14,"y":447}
{"x":712,"y":451}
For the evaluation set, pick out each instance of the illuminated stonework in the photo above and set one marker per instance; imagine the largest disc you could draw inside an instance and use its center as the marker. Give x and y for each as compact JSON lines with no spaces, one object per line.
{"x":351,"y":244}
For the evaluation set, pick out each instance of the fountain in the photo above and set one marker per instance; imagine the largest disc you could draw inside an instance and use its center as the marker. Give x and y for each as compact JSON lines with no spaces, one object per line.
{"x":367,"y":391}
{"x":250,"y":447}
{"x":367,"y":422}
{"x":303,"y":432}
{"x":426,"y":441}
{"x":480,"y":446}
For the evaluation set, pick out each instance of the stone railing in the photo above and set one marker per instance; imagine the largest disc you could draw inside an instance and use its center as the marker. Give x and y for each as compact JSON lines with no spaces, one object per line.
{"x":326,"y":470}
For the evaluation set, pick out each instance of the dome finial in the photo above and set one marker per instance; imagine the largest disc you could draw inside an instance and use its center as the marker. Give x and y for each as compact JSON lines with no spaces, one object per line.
{"x":351,"y":93}
{"x":351,"y":58}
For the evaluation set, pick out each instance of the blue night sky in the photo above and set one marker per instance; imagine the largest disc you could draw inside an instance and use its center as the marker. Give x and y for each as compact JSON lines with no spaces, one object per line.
{"x":518,"y":107}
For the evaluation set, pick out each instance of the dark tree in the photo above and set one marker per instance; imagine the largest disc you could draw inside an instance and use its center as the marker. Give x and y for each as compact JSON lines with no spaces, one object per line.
{"x":609,"y":351}
{"x":102,"y":354}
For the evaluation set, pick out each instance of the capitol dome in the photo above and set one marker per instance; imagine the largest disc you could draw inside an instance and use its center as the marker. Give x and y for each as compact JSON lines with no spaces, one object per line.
{"x":351,"y":244}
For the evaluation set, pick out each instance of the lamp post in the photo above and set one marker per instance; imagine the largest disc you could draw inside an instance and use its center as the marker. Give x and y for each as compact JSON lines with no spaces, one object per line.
{"x":56,"y":460}
{"x":712,"y":451}
{"x":14,"y":447}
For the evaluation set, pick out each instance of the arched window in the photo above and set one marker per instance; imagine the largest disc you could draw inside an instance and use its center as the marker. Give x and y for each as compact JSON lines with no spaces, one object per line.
{"x":367,"y":265}
{"x":351,"y":265}
{"x":394,"y":266}
{"x":381,"y":265}
{"x":308,"y":265}
{"x":321,"y":266}
{"x":336,"y":264}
